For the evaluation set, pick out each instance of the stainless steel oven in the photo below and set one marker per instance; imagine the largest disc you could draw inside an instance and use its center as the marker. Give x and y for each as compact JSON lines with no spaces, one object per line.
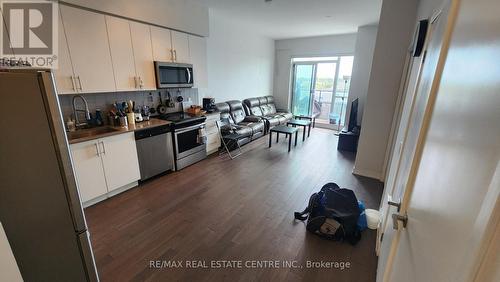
{"x":190,"y":145}
{"x":173,"y":75}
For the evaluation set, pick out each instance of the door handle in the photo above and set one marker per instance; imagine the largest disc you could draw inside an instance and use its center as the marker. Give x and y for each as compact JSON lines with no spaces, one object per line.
{"x":189,"y":75}
{"x":103,"y":147}
{"x":79,"y":82}
{"x":96,"y":150}
{"x":398,"y":217}
{"x":73,"y":82}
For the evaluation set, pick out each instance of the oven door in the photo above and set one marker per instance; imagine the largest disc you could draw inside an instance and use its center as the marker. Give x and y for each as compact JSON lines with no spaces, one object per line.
{"x":189,"y":141}
{"x":173,"y":75}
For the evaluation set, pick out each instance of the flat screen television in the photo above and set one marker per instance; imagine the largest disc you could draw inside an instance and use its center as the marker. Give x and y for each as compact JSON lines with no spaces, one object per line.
{"x":353,"y":116}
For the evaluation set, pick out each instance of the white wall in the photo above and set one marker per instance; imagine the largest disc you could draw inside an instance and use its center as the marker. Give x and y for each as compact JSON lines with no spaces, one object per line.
{"x":240,"y":63}
{"x":361,"y":69}
{"x":395,"y":30}
{"x":8,"y":266}
{"x":184,"y":15}
{"x":320,"y":46}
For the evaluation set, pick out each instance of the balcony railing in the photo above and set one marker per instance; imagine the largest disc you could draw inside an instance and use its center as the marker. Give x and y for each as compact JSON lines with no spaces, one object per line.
{"x":322,"y":103}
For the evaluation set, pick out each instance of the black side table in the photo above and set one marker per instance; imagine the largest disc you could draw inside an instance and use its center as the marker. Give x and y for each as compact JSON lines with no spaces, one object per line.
{"x":288,"y":131}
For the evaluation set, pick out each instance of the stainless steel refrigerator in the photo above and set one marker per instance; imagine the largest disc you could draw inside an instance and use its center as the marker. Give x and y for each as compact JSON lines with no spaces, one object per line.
{"x":40,"y":207}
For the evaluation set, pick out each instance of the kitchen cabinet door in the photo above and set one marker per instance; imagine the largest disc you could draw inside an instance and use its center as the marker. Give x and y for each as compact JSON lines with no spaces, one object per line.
{"x":88,"y":170}
{"x":162,"y":44}
{"x":143,"y":55}
{"x":119,"y":157}
{"x":63,"y":75}
{"x":89,"y":49}
{"x":180,"y":44}
{"x":122,"y":55}
{"x":198,"y":55}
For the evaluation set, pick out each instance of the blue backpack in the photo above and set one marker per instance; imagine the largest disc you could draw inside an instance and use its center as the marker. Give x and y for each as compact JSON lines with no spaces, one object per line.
{"x":333,"y":213}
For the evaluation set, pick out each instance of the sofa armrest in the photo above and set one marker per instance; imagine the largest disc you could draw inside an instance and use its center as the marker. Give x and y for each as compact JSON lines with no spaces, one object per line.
{"x":252,"y":119}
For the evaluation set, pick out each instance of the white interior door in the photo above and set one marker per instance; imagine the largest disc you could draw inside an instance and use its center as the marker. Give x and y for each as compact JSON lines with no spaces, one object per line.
{"x":451,"y":185}
{"x":122,"y":56}
{"x":407,"y":136}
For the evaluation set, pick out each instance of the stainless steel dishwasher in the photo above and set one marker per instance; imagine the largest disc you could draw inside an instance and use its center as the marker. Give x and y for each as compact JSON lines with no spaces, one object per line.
{"x":154,"y":150}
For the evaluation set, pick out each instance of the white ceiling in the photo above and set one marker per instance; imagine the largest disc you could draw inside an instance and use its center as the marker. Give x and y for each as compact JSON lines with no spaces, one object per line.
{"x":281,"y":19}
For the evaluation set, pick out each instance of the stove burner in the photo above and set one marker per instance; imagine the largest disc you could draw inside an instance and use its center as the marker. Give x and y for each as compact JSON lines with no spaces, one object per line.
{"x":182,"y":119}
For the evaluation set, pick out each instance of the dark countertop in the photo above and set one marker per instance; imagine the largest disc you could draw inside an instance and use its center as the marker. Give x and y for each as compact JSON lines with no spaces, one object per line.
{"x":83,"y":135}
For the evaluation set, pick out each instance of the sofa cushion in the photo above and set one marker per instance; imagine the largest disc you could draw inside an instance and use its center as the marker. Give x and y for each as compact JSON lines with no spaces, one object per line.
{"x":266,"y":110}
{"x":262,"y":100}
{"x":243,"y":130}
{"x":255,"y":126}
{"x":253,"y":106}
{"x":223,"y":108}
{"x":288,"y":116}
{"x":236,"y":110}
{"x":272,"y":120}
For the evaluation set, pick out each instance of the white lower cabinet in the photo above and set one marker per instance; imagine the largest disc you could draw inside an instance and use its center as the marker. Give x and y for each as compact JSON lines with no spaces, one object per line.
{"x":105,"y":166}
{"x":213,"y":138}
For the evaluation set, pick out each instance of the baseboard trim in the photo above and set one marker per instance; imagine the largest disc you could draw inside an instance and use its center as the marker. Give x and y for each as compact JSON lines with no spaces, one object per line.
{"x":110,"y":194}
{"x":367,"y":173}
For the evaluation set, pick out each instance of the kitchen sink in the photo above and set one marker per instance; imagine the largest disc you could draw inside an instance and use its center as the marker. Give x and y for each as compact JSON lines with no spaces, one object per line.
{"x":90,"y":132}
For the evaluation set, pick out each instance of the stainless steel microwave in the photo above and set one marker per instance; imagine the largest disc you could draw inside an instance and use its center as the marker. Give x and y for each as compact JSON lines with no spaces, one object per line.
{"x":173,"y":75}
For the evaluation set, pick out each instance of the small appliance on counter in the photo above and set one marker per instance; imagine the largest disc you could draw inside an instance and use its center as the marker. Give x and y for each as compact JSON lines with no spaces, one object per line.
{"x":209,"y":105}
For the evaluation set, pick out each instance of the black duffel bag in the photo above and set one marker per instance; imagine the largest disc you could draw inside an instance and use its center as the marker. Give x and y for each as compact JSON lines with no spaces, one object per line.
{"x":332,"y":213}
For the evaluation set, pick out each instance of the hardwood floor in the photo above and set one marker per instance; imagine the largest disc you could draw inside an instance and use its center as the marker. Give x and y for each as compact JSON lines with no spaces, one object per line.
{"x":241,"y":209}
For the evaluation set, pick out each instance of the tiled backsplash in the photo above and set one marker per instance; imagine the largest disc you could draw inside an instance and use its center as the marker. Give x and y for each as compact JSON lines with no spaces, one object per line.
{"x":103,"y":101}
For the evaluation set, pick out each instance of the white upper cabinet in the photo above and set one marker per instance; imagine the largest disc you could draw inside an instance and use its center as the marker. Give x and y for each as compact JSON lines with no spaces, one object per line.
{"x":64,"y":76}
{"x":180,"y":45}
{"x":122,"y":55}
{"x":89,"y":49}
{"x":143,"y":55}
{"x":198,"y":55}
{"x":162,"y":44}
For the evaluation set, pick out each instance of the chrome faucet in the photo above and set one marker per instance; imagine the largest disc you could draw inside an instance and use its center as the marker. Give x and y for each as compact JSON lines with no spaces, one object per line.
{"x":75,"y":111}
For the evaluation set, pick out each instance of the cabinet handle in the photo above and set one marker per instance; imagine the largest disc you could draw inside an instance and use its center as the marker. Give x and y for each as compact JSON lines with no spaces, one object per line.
{"x":79,"y":82}
{"x":73,"y":82}
{"x":96,"y":149}
{"x":103,"y":148}
{"x":141,"y":83}
{"x":175,"y":55}
{"x":172,"y":55}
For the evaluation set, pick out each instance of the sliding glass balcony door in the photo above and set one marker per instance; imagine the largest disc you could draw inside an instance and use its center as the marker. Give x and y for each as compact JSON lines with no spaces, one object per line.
{"x":320,"y":87}
{"x":303,"y":88}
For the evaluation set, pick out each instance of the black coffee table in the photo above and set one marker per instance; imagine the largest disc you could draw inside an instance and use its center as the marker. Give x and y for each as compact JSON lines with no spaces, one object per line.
{"x":303,"y":123}
{"x":288,"y":131}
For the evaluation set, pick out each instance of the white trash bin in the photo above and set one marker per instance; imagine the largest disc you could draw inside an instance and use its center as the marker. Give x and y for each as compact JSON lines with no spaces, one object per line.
{"x":372,"y":218}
